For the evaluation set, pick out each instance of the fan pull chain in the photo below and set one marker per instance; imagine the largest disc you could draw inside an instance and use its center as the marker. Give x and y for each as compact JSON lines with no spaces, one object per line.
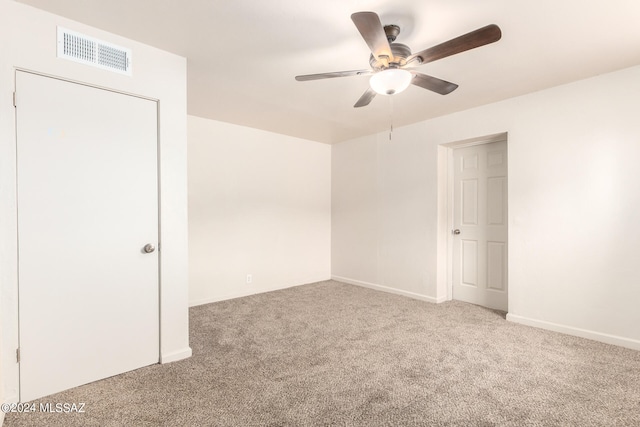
{"x":390,"y":118}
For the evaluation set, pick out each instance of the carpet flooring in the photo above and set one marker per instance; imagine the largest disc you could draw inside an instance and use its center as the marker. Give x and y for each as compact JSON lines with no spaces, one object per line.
{"x":332,"y":354}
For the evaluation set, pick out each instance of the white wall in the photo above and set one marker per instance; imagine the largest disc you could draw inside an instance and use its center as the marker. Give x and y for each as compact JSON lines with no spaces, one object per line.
{"x":384,"y":213}
{"x":28,"y":41}
{"x":259,"y":204}
{"x":574,"y":198}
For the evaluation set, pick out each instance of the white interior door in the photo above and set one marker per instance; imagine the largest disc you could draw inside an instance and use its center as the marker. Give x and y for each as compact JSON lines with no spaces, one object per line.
{"x":480,"y":225}
{"x":87,"y":206}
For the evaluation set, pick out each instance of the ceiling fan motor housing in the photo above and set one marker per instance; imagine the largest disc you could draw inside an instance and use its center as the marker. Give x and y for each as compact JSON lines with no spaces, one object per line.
{"x":400,"y":54}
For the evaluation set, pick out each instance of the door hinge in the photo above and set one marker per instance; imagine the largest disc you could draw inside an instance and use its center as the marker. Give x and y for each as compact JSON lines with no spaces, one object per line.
{"x":17,"y":355}
{"x":14,"y":100}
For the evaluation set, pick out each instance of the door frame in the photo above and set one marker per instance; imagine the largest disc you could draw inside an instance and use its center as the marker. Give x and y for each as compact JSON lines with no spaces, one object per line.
{"x":446,"y":202}
{"x":158,"y":190}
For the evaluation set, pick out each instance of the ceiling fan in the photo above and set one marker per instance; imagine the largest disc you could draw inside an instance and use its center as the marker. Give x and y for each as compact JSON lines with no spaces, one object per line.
{"x":392,"y":63}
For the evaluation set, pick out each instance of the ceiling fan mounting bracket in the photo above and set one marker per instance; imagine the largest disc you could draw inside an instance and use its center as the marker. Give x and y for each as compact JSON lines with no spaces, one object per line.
{"x":391,"y":31}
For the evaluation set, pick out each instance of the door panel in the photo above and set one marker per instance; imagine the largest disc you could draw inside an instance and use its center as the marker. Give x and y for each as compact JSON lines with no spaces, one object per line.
{"x":469,"y":260}
{"x":496,"y":193}
{"x":470,"y":202}
{"x":480,"y":215}
{"x":496,"y":266}
{"x":87,"y":205}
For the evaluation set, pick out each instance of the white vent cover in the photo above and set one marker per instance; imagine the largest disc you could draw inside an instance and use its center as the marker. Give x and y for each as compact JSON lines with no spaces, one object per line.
{"x":88,"y":50}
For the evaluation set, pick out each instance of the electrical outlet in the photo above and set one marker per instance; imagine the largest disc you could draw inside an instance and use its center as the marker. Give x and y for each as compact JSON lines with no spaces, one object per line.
{"x":249,"y":278}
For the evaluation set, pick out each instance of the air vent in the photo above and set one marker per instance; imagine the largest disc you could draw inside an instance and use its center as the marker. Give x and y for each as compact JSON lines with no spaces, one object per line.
{"x":90,"y":51}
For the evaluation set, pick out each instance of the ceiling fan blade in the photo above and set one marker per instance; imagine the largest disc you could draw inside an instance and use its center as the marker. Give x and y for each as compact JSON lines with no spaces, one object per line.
{"x":332,"y":75}
{"x":371,"y":30}
{"x":366,"y":98}
{"x":480,"y":37}
{"x":433,"y":84}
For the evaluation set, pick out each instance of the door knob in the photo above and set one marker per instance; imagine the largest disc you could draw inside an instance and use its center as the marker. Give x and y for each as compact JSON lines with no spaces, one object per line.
{"x":456,"y":231}
{"x":148,"y":248}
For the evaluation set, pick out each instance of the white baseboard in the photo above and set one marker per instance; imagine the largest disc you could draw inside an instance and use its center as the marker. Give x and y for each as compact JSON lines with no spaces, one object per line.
{"x":389,"y":290}
{"x":254,"y":291}
{"x":176,"y":355}
{"x":224,"y":297}
{"x":570,"y":330}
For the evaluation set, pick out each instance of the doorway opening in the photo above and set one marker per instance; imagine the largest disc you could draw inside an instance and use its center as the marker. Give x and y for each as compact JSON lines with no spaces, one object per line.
{"x":473,"y":221}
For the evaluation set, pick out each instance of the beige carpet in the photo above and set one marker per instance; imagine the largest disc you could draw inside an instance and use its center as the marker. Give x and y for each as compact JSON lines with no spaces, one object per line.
{"x":336,"y":354}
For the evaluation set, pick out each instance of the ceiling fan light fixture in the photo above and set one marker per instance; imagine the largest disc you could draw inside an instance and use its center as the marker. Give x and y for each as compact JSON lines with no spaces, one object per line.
{"x":390,"y":81}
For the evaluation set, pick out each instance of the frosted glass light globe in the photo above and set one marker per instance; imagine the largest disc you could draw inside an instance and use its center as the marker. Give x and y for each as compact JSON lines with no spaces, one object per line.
{"x":391,"y":81}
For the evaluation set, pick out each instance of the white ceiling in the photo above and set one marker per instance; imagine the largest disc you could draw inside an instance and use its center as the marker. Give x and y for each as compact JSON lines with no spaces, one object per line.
{"x":243,"y":54}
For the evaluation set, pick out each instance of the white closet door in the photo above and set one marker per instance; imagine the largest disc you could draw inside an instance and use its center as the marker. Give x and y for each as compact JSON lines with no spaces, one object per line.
{"x":87,"y":206}
{"x":480,"y":225}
